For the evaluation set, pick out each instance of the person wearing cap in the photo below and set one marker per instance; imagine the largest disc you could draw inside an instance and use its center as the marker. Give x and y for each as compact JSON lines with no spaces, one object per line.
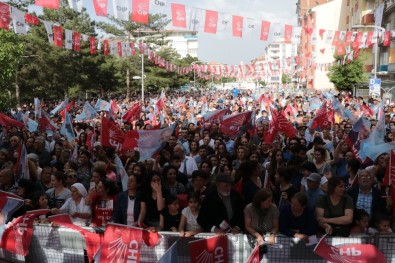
{"x":313,"y":190}
{"x":75,"y":206}
{"x":220,"y":212}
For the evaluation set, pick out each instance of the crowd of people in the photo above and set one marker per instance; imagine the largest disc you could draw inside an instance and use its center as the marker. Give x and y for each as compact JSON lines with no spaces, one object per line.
{"x":204,"y":180}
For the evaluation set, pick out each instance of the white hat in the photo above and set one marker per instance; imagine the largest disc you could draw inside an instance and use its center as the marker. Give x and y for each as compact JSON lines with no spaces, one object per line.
{"x":81,"y":189}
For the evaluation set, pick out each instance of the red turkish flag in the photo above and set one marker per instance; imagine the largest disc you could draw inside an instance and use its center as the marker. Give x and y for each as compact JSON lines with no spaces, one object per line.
{"x":237,"y":26}
{"x":121,"y":244}
{"x":361,"y":253}
{"x":282,"y":124}
{"x":140,"y":11}
{"x":288,"y":33}
{"x":130,"y":141}
{"x":211,"y":21}
{"x":206,"y":249}
{"x":321,"y":120}
{"x":92,"y":45}
{"x":58,"y":36}
{"x":111,"y":135}
{"x":105,"y":47}
{"x":387,"y":39}
{"x":5,"y":16}
{"x":100,"y":7}
{"x":178,"y":15}
{"x":53,"y":4}
{"x":265,"y":29}
{"x":9,"y":122}
{"x":31,"y":19}
{"x":92,"y":240}
{"x":18,"y":234}
{"x":254,"y":257}
{"x":231,"y":124}
{"x":76,"y":41}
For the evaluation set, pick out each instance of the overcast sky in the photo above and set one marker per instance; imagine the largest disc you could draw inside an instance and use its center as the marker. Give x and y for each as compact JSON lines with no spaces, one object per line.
{"x":222,"y":47}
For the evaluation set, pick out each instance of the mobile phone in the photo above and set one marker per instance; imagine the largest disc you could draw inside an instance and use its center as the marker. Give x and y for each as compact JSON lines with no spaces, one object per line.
{"x":92,"y":185}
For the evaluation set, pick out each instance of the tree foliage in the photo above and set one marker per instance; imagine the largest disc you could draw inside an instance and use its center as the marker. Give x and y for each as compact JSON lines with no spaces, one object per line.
{"x":345,"y":76}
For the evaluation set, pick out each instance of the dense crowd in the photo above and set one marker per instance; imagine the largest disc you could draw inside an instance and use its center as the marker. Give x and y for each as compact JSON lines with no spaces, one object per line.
{"x":204,"y":180}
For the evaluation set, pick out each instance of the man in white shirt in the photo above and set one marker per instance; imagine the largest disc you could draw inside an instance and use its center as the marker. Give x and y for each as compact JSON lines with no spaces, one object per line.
{"x":188,"y":164}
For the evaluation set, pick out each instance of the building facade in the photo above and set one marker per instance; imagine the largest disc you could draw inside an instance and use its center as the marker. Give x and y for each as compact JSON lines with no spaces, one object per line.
{"x":185,"y":42}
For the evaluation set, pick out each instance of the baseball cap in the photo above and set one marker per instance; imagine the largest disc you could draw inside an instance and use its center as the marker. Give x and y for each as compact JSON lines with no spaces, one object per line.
{"x":314,"y":177}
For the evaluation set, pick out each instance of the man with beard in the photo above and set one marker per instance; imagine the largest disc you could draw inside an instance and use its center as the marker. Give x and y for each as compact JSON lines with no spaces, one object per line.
{"x":221,"y":210}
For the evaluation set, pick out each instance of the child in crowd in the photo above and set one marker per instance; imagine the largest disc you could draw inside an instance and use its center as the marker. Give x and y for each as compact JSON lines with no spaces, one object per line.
{"x":40,"y":201}
{"x":170,"y":216}
{"x":189,"y":225}
{"x":361,"y":222}
{"x":382,"y":225}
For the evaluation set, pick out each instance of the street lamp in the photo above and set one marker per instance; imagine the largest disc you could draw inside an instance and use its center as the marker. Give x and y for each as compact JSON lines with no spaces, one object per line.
{"x":376,"y":45}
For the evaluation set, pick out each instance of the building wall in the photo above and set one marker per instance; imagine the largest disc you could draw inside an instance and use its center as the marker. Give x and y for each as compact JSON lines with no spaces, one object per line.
{"x":184,"y":42}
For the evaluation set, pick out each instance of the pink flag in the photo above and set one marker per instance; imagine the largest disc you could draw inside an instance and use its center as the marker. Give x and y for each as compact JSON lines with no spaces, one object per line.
{"x":178,"y":15}
{"x":76,"y":41}
{"x":121,"y":244}
{"x":53,"y":4}
{"x":92,"y":45}
{"x":5,"y":16}
{"x":58,"y":36}
{"x":265,"y":29}
{"x":288,"y":33}
{"x":140,"y":11}
{"x":237,"y":26}
{"x":100,"y":7}
{"x":18,"y":234}
{"x":204,"y":250}
{"x":211,"y":21}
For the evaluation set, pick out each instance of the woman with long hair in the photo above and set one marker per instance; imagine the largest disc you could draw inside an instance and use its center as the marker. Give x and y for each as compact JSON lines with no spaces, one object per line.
{"x":84,"y":169}
{"x":276,"y":160}
{"x":58,"y":194}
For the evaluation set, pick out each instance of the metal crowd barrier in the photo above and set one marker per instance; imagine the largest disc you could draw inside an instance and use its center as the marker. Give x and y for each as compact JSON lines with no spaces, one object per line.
{"x":52,"y":245}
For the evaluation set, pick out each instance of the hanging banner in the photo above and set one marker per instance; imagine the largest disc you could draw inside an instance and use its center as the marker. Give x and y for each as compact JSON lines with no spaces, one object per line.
{"x":195,"y":19}
{"x":211,"y":21}
{"x":76,"y":5}
{"x":5,"y":16}
{"x":387,"y":39}
{"x":140,"y":11}
{"x":158,"y":6}
{"x":121,"y":9}
{"x":178,"y":15}
{"x":92,"y":45}
{"x":105,"y":47}
{"x":224,"y":22}
{"x":58,"y":36}
{"x":237,"y":26}
{"x":68,"y":39}
{"x":18,"y":21}
{"x":250,"y":26}
{"x":329,"y":37}
{"x":53,"y":4}
{"x":288,"y":34}
{"x":76,"y":41}
{"x":31,"y":19}
{"x":277,"y":32}
{"x":100,"y":7}
{"x":265,"y":30}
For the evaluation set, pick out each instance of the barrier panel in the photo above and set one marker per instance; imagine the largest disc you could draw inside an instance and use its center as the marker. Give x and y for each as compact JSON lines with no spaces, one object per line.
{"x":59,"y":244}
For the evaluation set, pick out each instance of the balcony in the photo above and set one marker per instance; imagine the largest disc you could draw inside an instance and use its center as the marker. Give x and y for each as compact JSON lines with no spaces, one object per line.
{"x":367,"y":19}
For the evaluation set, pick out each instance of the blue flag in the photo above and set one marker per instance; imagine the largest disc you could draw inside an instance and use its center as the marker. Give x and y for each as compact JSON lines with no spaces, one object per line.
{"x":151,"y":141}
{"x":102,"y":105}
{"x":67,"y":128}
{"x":88,"y":113}
{"x":121,"y":172}
{"x":60,"y":107}
{"x":171,"y":255}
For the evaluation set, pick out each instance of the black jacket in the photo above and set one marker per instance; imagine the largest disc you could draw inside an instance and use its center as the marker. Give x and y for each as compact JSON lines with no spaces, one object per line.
{"x":378,"y":203}
{"x":121,"y":208}
{"x":213,"y":211}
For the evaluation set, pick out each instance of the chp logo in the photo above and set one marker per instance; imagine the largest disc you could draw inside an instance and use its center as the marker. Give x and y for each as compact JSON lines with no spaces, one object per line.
{"x":239,"y":27}
{"x":180,"y":15}
{"x":142,"y":9}
{"x":212,"y":22}
{"x":160,"y":3}
{"x":102,"y":3}
{"x":5,"y":13}
{"x":211,"y":250}
{"x":346,"y":255}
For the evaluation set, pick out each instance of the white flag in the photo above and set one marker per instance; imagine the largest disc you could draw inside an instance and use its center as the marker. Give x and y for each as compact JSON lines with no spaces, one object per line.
{"x":68,"y":39}
{"x":196,"y":19}
{"x":363,"y":40}
{"x":85,"y":37}
{"x":76,"y":5}
{"x":329,"y":37}
{"x":121,"y":9}
{"x":296,"y":34}
{"x":113,"y":48}
{"x":251,"y":26}
{"x":159,"y":7}
{"x":354,"y":35}
{"x":126,"y":49}
{"x":99,"y":44}
{"x":342,"y":35}
{"x":314,"y":37}
{"x":277,"y":32}
{"x":48,"y":27}
{"x":18,"y":21}
{"x":224,"y":22}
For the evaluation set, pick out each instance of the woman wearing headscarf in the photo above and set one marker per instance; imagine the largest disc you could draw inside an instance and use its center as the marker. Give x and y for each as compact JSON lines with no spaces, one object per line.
{"x":75,"y":206}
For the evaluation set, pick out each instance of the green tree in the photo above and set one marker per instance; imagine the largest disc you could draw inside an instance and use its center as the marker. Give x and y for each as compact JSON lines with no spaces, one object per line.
{"x":285,"y":79}
{"x":11,"y":52}
{"x":345,"y":76}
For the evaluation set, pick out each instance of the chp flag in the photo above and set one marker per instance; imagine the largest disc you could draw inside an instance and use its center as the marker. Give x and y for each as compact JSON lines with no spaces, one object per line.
{"x":389,"y":179}
{"x":214,"y":249}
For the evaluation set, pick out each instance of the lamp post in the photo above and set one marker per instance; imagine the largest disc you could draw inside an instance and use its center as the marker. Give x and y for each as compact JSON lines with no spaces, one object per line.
{"x":376,"y":45}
